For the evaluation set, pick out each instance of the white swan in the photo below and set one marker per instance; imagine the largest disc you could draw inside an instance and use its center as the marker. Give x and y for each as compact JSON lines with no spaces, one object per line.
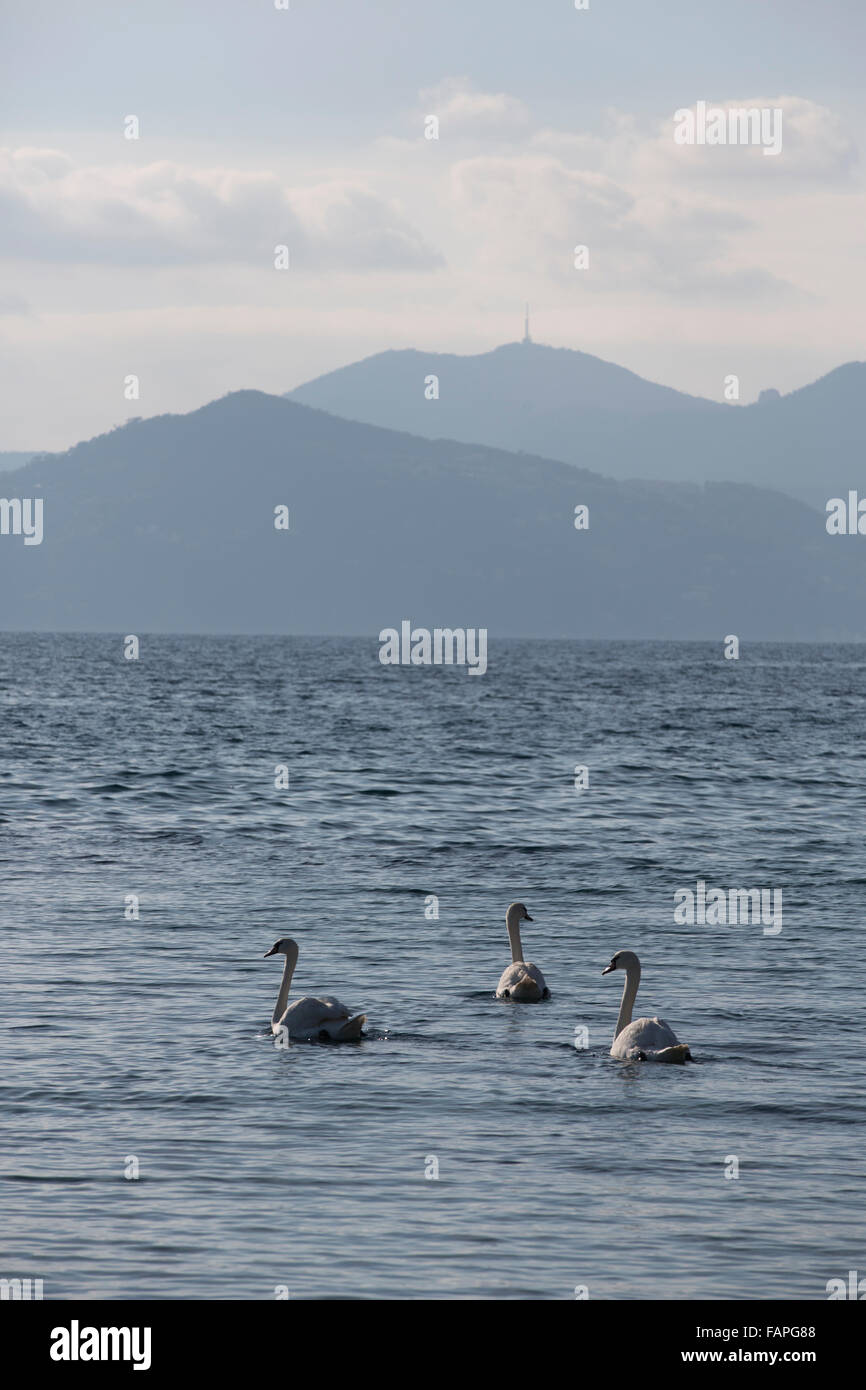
{"x":647,"y":1039}
{"x":310,"y":1017}
{"x":522,"y":980}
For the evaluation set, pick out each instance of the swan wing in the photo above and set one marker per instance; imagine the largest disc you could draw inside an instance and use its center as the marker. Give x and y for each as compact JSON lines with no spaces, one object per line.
{"x":644,"y":1035}
{"x":312,"y":1014}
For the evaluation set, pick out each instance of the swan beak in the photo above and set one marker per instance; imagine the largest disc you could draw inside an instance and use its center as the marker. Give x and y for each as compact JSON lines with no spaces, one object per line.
{"x":607,"y":969}
{"x":527,"y":917}
{"x":271,"y":952}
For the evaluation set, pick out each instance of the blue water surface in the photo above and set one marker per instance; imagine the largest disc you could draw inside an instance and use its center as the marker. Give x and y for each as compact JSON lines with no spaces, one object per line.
{"x":307,"y":1169}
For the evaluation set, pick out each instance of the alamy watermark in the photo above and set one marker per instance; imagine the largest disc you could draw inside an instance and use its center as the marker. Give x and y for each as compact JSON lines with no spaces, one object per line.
{"x":855,"y":1288}
{"x":846,"y":518}
{"x":77,"y":1343}
{"x":21,"y":1289}
{"x":22,"y":516}
{"x":732,"y":125}
{"x":443,"y":646}
{"x":713,"y":907}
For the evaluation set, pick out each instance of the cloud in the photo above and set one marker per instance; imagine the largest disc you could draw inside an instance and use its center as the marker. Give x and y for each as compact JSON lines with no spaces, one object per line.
{"x":533,"y":205}
{"x":464,"y":110}
{"x":660,"y":219}
{"x":166,"y":214}
{"x":501,"y":197}
{"x":527,"y":213}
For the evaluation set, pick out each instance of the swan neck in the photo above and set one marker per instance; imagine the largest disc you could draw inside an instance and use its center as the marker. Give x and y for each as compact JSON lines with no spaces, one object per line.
{"x":285,"y":985}
{"x":514,"y":938}
{"x":629,"y":993}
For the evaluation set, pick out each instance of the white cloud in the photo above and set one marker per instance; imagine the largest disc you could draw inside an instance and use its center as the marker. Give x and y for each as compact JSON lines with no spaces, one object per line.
{"x":464,"y":110}
{"x":528,"y":212}
{"x":166,"y":214}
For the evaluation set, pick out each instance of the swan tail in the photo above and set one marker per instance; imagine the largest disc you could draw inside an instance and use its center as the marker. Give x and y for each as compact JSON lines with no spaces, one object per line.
{"x":677,"y":1053}
{"x":351,"y":1030}
{"x":525,"y":992}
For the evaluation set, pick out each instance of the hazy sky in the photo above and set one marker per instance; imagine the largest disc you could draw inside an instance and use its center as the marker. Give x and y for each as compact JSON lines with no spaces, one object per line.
{"x":261,"y":127}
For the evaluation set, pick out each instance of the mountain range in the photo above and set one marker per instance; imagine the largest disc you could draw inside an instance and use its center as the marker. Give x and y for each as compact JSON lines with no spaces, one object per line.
{"x":569,"y":405}
{"x":167,"y":524}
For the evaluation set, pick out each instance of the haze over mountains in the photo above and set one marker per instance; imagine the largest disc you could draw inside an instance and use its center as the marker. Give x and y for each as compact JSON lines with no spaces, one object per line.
{"x":15,"y":458}
{"x":167,"y":524}
{"x":572,"y":406}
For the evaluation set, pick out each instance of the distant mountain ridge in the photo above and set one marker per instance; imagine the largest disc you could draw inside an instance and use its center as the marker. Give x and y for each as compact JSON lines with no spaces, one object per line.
{"x":15,"y":458}
{"x":573,"y":406}
{"x":167,"y":524}
{"x":532,"y":373}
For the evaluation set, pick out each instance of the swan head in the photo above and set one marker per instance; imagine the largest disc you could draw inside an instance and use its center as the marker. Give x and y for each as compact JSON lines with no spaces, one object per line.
{"x":284,"y":947}
{"x":517,"y":913}
{"x":623,"y":960}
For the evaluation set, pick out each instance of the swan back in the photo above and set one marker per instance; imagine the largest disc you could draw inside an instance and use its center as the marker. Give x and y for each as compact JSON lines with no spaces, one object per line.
{"x":644,"y":1035}
{"x":522,"y":981}
{"x":311,"y":1016}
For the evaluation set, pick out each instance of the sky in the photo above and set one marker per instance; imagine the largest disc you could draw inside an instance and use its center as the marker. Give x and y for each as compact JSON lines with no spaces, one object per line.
{"x":304,"y":127}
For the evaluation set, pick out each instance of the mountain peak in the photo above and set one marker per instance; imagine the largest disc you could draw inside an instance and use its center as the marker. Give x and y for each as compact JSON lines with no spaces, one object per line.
{"x":564,"y":403}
